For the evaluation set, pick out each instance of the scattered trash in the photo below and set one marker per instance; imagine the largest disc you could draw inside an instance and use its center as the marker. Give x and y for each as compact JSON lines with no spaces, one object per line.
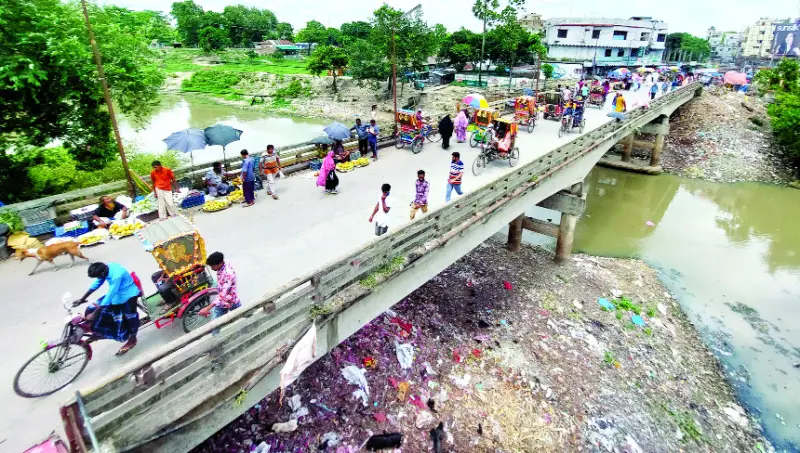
{"x":476,"y":353}
{"x":405,"y":354}
{"x":503,"y":322}
{"x":507,"y":285}
{"x":432,"y":405}
{"x":380,"y":416}
{"x":262,"y":448}
{"x":298,"y":410}
{"x":650,"y":223}
{"x":462,"y":382}
{"x":287,"y":427}
{"x":429,"y":369}
{"x":636,"y":319}
{"x":616,"y":293}
{"x":416,"y":400}
{"x":382,"y":441}
{"x":407,"y":326}
{"x":329,"y":439}
{"x":736,"y":415}
{"x":302,"y":356}
{"x":662,"y":309}
{"x":480,"y":429}
{"x":402,"y":391}
{"x":436,"y":438}
{"x":370,"y":362}
{"x":577,"y":305}
{"x":424,"y":418}
{"x":606,"y":304}
{"x":363,"y":396}
{"x":457,"y":356}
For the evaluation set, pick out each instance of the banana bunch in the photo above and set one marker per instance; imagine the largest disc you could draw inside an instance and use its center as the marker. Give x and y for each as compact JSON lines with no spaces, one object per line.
{"x":237,"y":196}
{"x":237,"y":181}
{"x":121,"y":230}
{"x":216,"y":205}
{"x":362,"y":162}
{"x":345,"y":166}
{"x":89,"y":239}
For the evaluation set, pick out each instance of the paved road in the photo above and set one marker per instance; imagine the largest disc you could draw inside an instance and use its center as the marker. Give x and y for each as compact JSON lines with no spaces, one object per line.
{"x":268,"y":245}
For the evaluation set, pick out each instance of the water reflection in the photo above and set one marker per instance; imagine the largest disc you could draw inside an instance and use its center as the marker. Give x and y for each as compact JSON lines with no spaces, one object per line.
{"x":718,"y":246}
{"x":176,"y":113}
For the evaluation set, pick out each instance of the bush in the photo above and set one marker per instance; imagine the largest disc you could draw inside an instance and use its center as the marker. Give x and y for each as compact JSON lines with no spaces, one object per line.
{"x":277,"y":57}
{"x":211,"y":81}
{"x":294,"y":89}
{"x":785,"y":114}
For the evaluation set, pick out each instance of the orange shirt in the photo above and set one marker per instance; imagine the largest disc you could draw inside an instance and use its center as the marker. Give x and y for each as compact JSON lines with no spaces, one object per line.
{"x":162,"y":179}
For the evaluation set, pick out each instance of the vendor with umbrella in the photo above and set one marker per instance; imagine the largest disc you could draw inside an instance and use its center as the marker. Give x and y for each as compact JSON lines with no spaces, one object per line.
{"x":215,"y":180}
{"x":338,"y":132}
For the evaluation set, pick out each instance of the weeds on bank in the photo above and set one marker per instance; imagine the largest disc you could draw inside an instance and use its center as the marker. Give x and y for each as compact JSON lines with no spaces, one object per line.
{"x":385,"y":270}
{"x":686,"y":423}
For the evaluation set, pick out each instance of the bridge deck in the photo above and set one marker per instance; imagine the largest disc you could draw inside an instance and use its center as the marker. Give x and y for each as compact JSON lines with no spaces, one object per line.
{"x":269,"y":245}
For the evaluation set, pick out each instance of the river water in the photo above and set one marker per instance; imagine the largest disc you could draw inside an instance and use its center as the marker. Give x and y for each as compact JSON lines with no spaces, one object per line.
{"x":730,"y":253}
{"x":179,"y":112}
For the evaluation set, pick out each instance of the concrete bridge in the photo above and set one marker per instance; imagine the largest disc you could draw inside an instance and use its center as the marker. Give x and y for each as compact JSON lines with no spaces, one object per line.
{"x":172,"y":398}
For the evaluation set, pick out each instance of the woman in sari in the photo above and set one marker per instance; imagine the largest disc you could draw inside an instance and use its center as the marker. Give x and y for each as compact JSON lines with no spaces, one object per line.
{"x":461,"y":126}
{"x":327,"y":175}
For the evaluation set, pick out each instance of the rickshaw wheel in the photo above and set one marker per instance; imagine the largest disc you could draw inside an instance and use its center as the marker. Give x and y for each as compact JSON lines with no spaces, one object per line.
{"x":531,"y":125}
{"x":66,"y":359}
{"x":398,"y":142}
{"x":191,"y":316}
{"x":513,"y":157}
{"x":434,"y":136}
{"x":473,"y":139}
{"x":479,"y":165}
{"x":416,"y":145}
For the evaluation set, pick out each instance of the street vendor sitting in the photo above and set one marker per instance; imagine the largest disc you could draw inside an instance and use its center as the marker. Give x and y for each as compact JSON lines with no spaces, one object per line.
{"x":214,"y":179}
{"x":339,"y":153}
{"x":108,"y":211}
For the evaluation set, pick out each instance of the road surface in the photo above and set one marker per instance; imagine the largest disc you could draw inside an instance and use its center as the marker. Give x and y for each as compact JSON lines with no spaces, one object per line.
{"x":268,"y":245}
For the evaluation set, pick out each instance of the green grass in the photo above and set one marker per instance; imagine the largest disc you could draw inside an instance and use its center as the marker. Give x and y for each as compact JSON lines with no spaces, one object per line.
{"x":609,"y":357}
{"x":623,"y":303}
{"x":183,"y":60}
{"x":686,"y":423}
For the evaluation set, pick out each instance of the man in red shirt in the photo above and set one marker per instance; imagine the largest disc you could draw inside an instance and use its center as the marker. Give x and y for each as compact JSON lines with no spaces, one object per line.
{"x":164,"y":185}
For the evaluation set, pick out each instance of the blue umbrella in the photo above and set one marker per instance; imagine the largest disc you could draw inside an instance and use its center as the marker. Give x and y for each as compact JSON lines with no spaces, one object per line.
{"x":619,"y":116}
{"x":337,"y":131}
{"x":222,"y":135}
{"x":187,"y":141}
{"x":321,"y":140}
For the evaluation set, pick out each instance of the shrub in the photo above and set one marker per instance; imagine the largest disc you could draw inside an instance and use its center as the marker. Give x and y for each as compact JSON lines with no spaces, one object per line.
{"x":294,"y":89}
{"x":210,"y":81}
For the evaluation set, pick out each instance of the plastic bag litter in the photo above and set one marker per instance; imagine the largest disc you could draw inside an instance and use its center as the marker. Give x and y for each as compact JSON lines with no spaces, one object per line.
{"x":355,"y":376}
{"x":298,"y":410}
{"x":287,"y":427}
{"x":303,"y":354}
{"x":330,"y":439}
{"x":424,"y":418}
{"x":263,"y":447}
{"x":360,"y":394}
{"x":405,"y":354}
{"x":461,"y":382}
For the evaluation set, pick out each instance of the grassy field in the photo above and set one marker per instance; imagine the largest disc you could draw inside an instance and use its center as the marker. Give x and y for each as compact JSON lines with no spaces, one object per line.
{"x":183,"y":60}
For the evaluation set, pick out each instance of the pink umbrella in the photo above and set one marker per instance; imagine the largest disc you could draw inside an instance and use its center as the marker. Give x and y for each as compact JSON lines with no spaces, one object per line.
{"x":735,"y":78}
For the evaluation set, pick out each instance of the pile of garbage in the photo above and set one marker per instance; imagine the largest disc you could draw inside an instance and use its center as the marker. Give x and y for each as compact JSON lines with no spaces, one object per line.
{"x":507,"y":352}
{"x":723,"y":137}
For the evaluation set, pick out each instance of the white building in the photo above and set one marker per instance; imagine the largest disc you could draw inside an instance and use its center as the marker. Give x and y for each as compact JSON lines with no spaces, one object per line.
{"x":757,"y":38}
{"x":532,"y":22}
{"x":606,"y":42}
{"x":725,"y":45}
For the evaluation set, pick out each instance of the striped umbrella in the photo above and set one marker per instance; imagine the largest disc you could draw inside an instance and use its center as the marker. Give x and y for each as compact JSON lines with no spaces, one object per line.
{"x":475,"y":101}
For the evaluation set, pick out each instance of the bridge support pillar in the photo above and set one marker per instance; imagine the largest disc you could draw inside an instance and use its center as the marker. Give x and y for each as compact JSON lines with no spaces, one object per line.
{"x":566,"y":235}
{"x":627,"y":147}
{"x":515,"y":234}
{"x":655,"y":156}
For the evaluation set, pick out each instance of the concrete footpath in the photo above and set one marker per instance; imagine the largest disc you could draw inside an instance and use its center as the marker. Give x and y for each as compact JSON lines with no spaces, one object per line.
{"x":267,"y":244}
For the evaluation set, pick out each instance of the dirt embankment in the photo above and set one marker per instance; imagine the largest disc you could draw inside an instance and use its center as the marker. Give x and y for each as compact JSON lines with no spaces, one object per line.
{"x":514,"y":353}
{"x":724,"y":137}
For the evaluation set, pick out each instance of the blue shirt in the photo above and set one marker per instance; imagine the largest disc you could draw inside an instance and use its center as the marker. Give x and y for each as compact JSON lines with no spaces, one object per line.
{"x":361,"y":130}
{"x":374,"y":138}
{"x":120,"y":286}
{"x":248,"y":170}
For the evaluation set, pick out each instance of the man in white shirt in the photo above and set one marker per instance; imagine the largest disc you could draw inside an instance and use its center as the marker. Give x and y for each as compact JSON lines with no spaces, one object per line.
{"x":381,"y":212}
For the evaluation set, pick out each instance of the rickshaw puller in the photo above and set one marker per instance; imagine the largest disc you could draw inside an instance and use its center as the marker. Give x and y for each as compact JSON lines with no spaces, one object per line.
{"x":114,"y":316}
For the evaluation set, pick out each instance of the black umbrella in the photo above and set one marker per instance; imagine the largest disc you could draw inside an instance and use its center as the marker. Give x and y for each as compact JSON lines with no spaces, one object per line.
{"x":222,"y":135}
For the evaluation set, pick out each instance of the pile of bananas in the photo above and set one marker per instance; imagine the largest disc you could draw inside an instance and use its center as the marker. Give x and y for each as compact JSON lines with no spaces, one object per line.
{"x":237,"y":196}
{"x":344,"y":167}
{"x":362,"y":162}
{"x":121,"y":230}
{"x":237,"y":181}
{"x":216,"y":205}
{"x":89,"y":239}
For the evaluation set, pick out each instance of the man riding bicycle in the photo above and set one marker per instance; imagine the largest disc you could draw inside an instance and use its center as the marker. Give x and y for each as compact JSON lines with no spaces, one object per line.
{"x":114,"y":316}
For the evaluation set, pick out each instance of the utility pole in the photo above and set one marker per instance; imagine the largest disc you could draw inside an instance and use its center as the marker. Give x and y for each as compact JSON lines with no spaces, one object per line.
{"x":394,"y":60}
{"x":483,"y":41}
{"x":102,"y":74}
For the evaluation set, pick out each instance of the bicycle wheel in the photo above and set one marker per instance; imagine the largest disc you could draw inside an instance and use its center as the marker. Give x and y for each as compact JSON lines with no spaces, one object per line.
{"x":479,"y":165}
{"x":398,"y":142}
{"x":191,"y":316}
{"x":51,"y":370}
{"x":513,"y":156}
{"x":416,"y":145}
{"x":561,"y":131}
{"x":434,"y":136}
{"x":531,"y":125}
{"x":473,"y":139}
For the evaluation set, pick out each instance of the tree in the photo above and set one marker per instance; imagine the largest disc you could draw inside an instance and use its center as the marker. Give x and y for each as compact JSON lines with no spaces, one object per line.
{"x":213,"y":39}
{"x":490,"y":13}
{"x":784,"y":81}
{"x":248,"y":25}
{"x":684,"y":46}
{"x":461,"y":47}
{"x":367,"y":62}
{"x":189,"y":18}
{"x":334,"y":37}
{"x":547,"y":70}
{"x":313,"y":33}
{"x":353,"y":31}
{"x":285,"y":31}
{"x":327,"y":58}
{"x":152,"y":25}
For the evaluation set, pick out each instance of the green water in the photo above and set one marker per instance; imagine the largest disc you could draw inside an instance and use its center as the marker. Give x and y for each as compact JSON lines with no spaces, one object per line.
{"x":717,"y":245}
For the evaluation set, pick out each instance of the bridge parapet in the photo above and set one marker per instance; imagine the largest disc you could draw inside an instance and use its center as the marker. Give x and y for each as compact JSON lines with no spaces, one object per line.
{"x":174,"y":397}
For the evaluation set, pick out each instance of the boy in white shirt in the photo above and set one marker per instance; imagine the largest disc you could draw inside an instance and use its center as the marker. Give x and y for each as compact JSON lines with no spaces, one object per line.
{"x":381,"y":212}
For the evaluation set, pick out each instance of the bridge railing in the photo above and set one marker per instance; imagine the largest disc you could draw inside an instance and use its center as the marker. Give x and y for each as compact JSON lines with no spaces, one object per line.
{"x":160,"y":392}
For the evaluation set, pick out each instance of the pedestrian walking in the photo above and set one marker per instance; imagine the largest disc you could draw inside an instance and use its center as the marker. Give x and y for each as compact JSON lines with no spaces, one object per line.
{"x":327,"y":175}
{"x":372,"y":138}
{"x":653,"y":91}
{"x":421,"y":197}
{"x":361,"y":131}
{"x":461,"y":126}
{"x":164,"y":185}
{"x":446,"y":130}
{"x":227,"y":296}
{"x":248,"y":179}
{"x":618,"y":103}
{"x":454,"y":178}
{"x":664,"y":87}
{"x":380,"y":215}
{"x":271,"y":168}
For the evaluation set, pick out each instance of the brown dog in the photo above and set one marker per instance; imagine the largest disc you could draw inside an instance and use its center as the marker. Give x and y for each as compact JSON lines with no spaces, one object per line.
{"x":52,"y":250}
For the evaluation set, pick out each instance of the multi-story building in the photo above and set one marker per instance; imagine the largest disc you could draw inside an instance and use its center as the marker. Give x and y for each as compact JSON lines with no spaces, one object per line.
{"x":532,"y":22}
{"x":757,"y":38}
{"x":724,"y":44}
{"x":606,"y":42}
